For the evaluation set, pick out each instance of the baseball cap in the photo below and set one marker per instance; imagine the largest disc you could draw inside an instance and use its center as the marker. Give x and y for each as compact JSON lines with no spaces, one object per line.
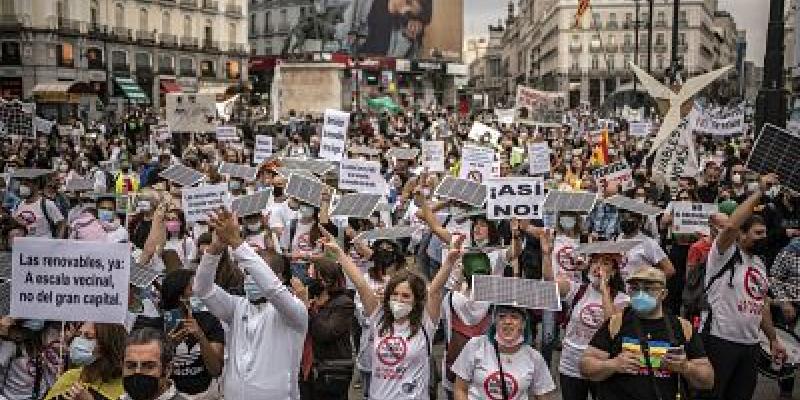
{"x":648,"y":274}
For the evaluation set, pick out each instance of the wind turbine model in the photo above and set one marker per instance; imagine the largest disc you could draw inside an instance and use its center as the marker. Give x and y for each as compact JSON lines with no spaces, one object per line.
{"x":677,"y":96}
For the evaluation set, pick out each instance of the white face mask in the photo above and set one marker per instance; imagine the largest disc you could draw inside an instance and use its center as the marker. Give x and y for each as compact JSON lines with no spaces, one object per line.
{"x":306,"y":211}
{"x":254,"y":227}
{"x":400,"y":310}
{"x":567,"y":222}
{"x":752,"y":186}
{"x":24,"y":191}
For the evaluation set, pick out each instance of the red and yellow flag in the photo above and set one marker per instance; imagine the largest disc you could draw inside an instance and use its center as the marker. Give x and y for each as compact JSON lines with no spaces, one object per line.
{"x":583,"y":5}
{"x":600,"y":151}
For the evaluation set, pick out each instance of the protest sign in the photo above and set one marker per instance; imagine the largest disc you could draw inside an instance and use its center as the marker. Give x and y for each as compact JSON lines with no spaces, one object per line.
{"x":162,"y":133}
{"x":516,"y":197}
{"x":191,"y":112}
{"x":334,"y":133}
{"x":197,"y":202}
{"x":433,"y":155}
{"x":361,"y":176}
{"x":227,"y":134}
{"x":539,"y":106}
{"x":676,"y":157}
{"x":70,"y":280}
{"x":618,"y":172}
{"x":688,"y":217}
{"x":42,"y":125}
{"x":262,"y":149}
{"x":477,"y":163}
{"x":640,"y":129}
{"x":482,"y":132}
{"x":719,"y":121}
{"x":538,"y":158}
{"x":505,"y":115}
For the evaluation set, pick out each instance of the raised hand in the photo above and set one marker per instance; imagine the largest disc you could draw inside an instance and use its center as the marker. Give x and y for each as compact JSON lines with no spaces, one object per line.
{"x":226,"y":227}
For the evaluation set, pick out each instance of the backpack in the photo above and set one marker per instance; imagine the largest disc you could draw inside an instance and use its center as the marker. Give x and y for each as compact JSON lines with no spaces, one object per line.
{"x":695,"y":291}
{"x":87,"y":227}
{"x":460,"y":334}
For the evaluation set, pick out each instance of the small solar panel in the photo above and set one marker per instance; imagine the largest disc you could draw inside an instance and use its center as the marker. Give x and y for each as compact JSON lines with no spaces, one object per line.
{"x":142,"y":277}
{"x":305,"y":189}
{"x":775,"y":151}
{"x":607,"y":247}
{"x":369,"y":151}
{"x":286,"y":172}
{"x":782,"y":291}
{"x":357,"y":205}
{"x":79,"y":185}
{"x":182,"y":175}
{"x":5,"y":265}
{"x":240,"y":171}
{"x":251,"y":204}
{"x":318,"y":167}
{"x":632,"y":205}
{"x":558,"y":200}
{"x":463,"y":190}
{"x":30,"y":173}
{"x":526,"y":293}
{"x":5,"y":297}
{"x":402,"y":153}
{"x":391,"y":233}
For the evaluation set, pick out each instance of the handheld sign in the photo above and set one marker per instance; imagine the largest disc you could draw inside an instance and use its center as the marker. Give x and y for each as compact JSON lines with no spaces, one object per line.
{"x":262,"y":149}
{"x":70,"y":280}
{"x":226,"y":134}
{"x":691,"y":217}
{"x":433,"y":155}
{"x":539,"y":158}
{"x":198,"y":202}
{"x":361,"y":176}
{"x":618,"y":172}
{"x":519,"y":198}
{"x":334,"y":133}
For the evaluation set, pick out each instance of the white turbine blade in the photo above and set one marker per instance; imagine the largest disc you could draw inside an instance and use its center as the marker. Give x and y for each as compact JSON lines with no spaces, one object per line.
{"x":696,"y":84}
{"x":671,"y":122}
{"x":653,"y":86}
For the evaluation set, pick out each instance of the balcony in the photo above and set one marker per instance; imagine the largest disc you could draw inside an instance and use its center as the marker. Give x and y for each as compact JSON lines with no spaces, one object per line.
{"x":612,"y":25}
{"x":282,"y":28}
{"x":188,"y":3}
{"x":10,"y":23}
{"x":96,"y":65}
{"x":660,"y":24}
{"x":168,"y":40}
{"x":146,"y":37}
{"x":69,"y":26}
{"x":187,"y":72}
{"x":120,"y":67}
{"x":206,"y":73}
{"x":627,"y":48}
{"x":168,"y":2}
{"x":612,"y":47}
{"x":233,"y":10}
{"x":595,"y":48}
{"x":188,"y":42}
{"x":210,"y":5}
{"x":210,"y":45}
{"x":122,"y":34}
{"x":144,"y":70}
{"x":236,"y":48}
{"x":97,"y":31}
{"x":575,"y":47}
{"x":660,"y":48}
{"x":166,"y":70}
{"x":683,"y":23}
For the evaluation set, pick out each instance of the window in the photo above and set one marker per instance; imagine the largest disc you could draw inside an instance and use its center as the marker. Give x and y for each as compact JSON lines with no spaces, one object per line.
{"x":143,"y":22}
{"x":645,"y":18}
{"x":10,"y":54}
{"x":208,"y":32}
{"x":595,"y":19}
{"x":143,"y":61}
{"x":683,"y":17}
{"x":232,"y":69}
{"x":65,"y":56}
{"x":284,"y":19}
{"x":595,"y":62}
{"x":232,"y":33}
{"x":302,"y":12}
{"x":611,"y":40}
{"x":186,"y":66}
{"x":682,"y":38}
{"x":575,"y":64}
{"x":660,"y":62}
{"x":643,"y":60}
{"x":628,"y":39}
{"x":165,"y":64}
{"x":119,"y":59}
{"x":94,"y":58}
{"x":119,"y":15}
{"x":187,"y":26}
{"x":61,"y":12}
{"x":662,"y":19}
{"x":610,"y":63}
{"x":267,"y":27}
{"x":628,"y":18}
{"x":166,"y":23}
{"x":659,"y":38}
{"x":207,"y":68}
{"x":576,"y":40}
{"x":93,"y":13}
{"x":612,"y":17}
{"x":628,"y":61}
{"x":252,"y":24}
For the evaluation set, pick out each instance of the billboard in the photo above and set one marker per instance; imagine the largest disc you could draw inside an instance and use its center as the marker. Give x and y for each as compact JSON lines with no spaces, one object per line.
{"x":421,"y":29}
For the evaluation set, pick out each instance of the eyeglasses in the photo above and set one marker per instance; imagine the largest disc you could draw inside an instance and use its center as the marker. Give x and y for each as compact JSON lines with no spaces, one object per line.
{"x":645,"y":287}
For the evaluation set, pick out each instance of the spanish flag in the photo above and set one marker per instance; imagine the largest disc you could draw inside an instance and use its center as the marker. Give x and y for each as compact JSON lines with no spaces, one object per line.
{"x":583,"y":5}
{"x":600,"y":152}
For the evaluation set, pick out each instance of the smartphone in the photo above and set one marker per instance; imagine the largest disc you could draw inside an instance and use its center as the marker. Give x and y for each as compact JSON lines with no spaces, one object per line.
{"x":300,"y":271}
{"x":172,"y":320}
{"x":675,"y":351}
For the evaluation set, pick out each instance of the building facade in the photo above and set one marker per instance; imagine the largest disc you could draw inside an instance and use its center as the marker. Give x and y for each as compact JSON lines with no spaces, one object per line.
{"x":120,"y":50}
{"x":486,"y":74}
{"x":271,"y":21}
{"x":546,"y":48}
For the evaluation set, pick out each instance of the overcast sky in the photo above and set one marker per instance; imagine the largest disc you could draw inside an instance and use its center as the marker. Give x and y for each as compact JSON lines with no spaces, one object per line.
{"x":750,"y":15}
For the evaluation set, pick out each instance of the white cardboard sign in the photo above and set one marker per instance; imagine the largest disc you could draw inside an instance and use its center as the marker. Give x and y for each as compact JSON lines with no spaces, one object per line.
{"x":539,"y":158}
{"x":688,"y":217}
{"x":515,"y":197}
{"x":334,"y":134}
{"x":197,"y":202}
{"x":262,"y":149}
{"x":480,"y":131}
{"x":617,"y":172}
{"x":478,"y":163}
{"x":640,"y":129}
{"x":361,"y":176}
{"x":433,"y":155}
{"x":226,"y":134}
{"x":70,"y":280}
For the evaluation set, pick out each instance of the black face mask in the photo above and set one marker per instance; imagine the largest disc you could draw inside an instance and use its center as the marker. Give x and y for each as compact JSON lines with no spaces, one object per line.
{"x":277,"y":191}
{"x":140,"y":386}
{"x":759,"y":247}
{"x":383,"y":258}
{"x":628,"y":225}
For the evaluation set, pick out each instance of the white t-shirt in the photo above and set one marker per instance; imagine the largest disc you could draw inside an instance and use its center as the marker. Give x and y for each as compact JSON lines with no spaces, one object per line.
{"x":281,"y":216}
{"x":469,"y":311}
{"x":31,"y":215}
{"x":564,"y":259}
{"x":525,"y":372}
{"x":736,"y":310}
{"x":400,"y":367}
{"x":647,"y":253}
{"x":586,"y":318}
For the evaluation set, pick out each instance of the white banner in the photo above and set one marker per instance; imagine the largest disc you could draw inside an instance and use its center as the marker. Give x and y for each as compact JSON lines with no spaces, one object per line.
{"x":477,"y":163}
{"x":618,"y":172}
{"x":516,"y":197}
{"x":433,"y":155}
{"x":676,"y":157}
{"x":538,"y":158}
{"x":481,"y":131}
{"x":720,"y":121}
{"x":191,"y":112}
{"x":361,"y":176}
{"x":227,"y":134}
{"x":505,"y":115}
{"x":197,"y":202}
{"x":640,"y":129}
{"x":334,"y":134}
{"x":70,"y":280}
{"x":688,"y":217}
{"x":262,"y":149}
{"x":539,"y":106}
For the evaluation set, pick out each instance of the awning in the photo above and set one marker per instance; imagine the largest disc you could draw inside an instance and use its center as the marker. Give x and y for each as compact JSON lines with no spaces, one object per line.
{"x":131,"y":90}
{"x":55,"y":92}
{"x":169,"y":86}
{"x":217,"y":90}
{"x":53,"y":87}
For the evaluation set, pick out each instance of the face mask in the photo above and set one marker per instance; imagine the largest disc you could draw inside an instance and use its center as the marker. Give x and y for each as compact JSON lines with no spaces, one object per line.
{"x":643,"y":302}
{"x":760,"y":247}
{"x":251,"y":290}
{"x":399,"y":309}
{"x":254,"y":227}
{"x":105,"y":215}
{"x":81,"y":350}
{"x":277,"y":191}
{"x":752,"y":186}
{"x":173,"y":226}
{"x":306,"y":211}
{"x":737,"y":179}
{"x":24,"y":191}
{"x":774,"y":191}
{"x":85,"y":164}
{"x":140,"y":386}
{"x":594,"y":280}
{"x":567,"y":222}
{"x":35,"y":325}
{"x":63,"y":168}
{"x":234,"y":185}
{"x":143,"y":206}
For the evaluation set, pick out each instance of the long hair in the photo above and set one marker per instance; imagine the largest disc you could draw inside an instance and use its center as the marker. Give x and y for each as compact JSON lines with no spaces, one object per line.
{"x":418,"y":289}
{"x":173,"y":286}
{"x":331,"y":274}
{"x":615,"y":282}
{"x":493,"y":237}
{"x":110,"y":351}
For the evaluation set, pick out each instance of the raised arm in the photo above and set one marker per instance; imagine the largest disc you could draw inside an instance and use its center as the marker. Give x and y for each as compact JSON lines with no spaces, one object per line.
{"x":368,"y":298}
{"x":546,"y":237}
{"x":426,"y":215}
{"x":219,"y":302}
{"x":727,"y":236}
{"x":157,"y":235}
{"x":433,"y":304}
